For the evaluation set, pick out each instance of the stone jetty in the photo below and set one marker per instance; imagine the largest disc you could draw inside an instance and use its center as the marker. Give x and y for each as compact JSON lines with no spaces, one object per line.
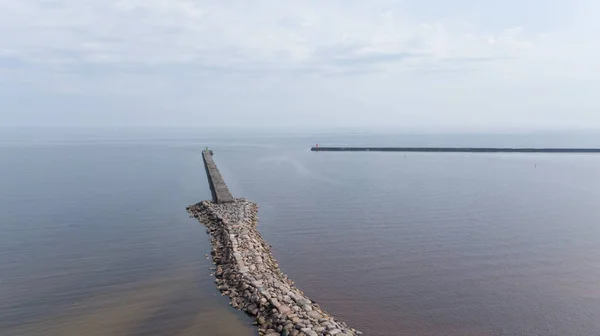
{"x":246,"y":271}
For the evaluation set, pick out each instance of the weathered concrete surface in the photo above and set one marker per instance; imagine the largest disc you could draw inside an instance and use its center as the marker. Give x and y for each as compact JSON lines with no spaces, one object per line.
{"x":218,"y":188}
{"x":247,"y":272}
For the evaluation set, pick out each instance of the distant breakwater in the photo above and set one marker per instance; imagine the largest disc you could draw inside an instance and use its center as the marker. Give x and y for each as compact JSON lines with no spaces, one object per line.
{"x":456,"y":149}
{"x":247,"y":272}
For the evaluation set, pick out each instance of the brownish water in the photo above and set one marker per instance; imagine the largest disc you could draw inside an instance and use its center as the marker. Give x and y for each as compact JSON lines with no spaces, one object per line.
{"x":169,"y":306}
{"x":434,"y":244}
{"x":96,"y":241}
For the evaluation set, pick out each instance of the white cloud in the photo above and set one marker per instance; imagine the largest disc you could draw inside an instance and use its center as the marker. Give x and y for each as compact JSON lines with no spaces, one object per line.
{"x":324,"y":58}
{"x":237,"y":34}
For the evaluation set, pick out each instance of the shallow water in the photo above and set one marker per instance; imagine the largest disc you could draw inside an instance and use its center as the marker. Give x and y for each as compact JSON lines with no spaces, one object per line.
{"x":96,"y":241}
{"x":96,"y":238}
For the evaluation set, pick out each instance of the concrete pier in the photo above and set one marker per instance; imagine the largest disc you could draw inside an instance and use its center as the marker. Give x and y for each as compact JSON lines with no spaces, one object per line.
{"x":455,"y":149}
{"x":218,"y":188}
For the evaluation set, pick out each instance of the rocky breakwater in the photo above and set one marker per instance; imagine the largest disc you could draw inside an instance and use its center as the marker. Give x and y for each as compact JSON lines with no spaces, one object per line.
{"x":247,"y":272}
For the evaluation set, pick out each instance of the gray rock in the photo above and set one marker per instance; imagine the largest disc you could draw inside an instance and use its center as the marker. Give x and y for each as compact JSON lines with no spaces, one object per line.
{"x":328,"y":325}
{"x":309,"y":332}
{"x":284,"y":309}
{"x":247,"y":272}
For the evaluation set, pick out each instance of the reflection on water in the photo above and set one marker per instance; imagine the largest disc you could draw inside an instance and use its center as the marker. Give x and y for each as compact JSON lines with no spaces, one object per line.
{"x":95,"y":239}
{"x":171,"y":306}
{"x":435,"y":244}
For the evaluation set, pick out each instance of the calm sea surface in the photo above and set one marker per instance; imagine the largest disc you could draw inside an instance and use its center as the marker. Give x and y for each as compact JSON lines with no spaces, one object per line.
{"x":95,"y":239}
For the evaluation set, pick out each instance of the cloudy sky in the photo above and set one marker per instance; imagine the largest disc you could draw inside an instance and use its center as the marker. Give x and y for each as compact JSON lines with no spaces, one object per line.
{"x":413,"y":64}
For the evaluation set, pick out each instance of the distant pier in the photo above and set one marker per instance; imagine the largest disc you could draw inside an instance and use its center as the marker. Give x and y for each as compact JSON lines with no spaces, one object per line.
{"x":455,"y":149}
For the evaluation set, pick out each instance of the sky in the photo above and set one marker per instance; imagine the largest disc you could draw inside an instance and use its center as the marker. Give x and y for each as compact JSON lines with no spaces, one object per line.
{"x":415,"y":65}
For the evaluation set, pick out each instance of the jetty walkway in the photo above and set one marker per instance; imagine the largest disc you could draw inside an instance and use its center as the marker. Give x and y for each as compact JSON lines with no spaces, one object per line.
{"x":246,"y":271}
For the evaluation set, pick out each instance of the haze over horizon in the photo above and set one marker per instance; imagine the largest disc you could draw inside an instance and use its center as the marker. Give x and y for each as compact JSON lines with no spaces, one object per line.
{"x":423,"y":66}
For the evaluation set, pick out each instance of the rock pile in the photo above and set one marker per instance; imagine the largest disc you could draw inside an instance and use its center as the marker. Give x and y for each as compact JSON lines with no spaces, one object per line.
{"x":247,"y":272}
